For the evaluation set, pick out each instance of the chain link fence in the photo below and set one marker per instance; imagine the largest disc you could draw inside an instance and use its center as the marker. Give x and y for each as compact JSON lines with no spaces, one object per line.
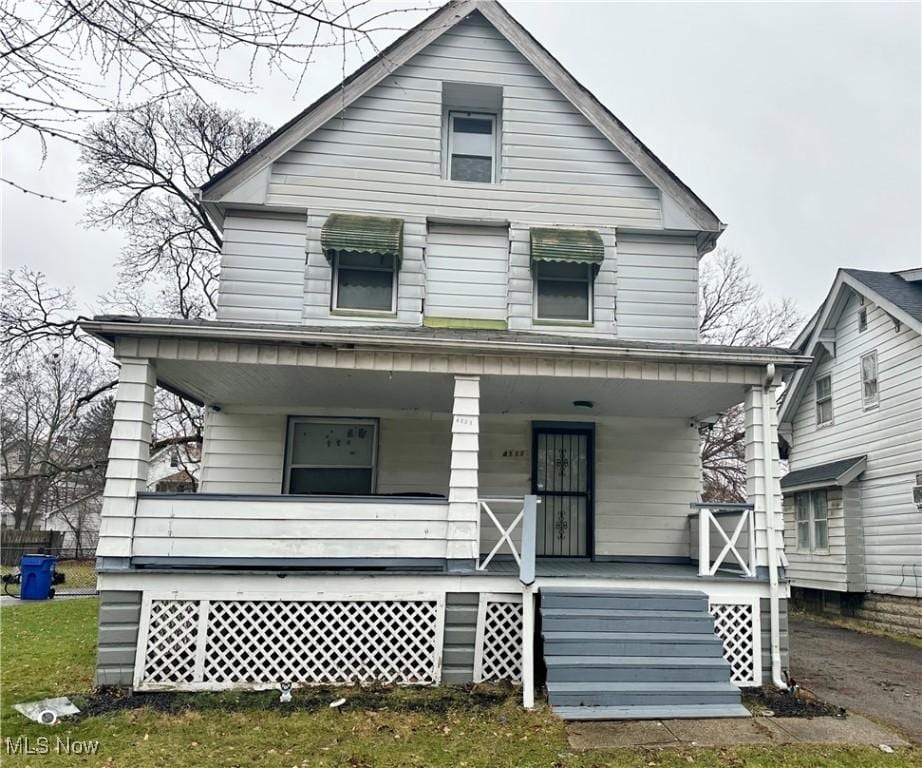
{"x":75,"y":570}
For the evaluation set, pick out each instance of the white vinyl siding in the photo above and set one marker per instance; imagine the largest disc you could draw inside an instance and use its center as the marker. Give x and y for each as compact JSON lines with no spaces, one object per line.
{"x":657,"y":297}
{"x":890,"y":525}
{"x":383,"y":155}
{"x":262,"y":267}
{"x":647,"y":470}
{"x":466,"y":270}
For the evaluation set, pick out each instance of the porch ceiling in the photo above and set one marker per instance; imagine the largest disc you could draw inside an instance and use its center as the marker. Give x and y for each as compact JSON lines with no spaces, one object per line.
{"x":304,"y":387}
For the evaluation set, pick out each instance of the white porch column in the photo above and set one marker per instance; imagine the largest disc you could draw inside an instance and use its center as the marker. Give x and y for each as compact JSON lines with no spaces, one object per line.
{"x":763,"y":472}
{"x":129,"y":456}
{"x":463,"y":508}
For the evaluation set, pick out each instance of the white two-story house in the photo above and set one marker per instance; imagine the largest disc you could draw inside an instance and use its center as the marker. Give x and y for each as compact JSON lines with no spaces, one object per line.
{"x":453,"y":392}
{"x":853,"y":420}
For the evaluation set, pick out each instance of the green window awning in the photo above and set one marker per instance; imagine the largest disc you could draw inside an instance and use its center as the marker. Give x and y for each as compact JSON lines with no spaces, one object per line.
{"x":582,"y":246}
{"x":363,"y":234}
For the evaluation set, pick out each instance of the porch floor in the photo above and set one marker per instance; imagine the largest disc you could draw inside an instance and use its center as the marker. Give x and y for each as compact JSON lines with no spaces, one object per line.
{"x":552,"y":567}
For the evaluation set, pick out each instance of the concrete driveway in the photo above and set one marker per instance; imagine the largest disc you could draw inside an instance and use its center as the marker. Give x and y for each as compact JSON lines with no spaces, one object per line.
{"x":875,"y":676}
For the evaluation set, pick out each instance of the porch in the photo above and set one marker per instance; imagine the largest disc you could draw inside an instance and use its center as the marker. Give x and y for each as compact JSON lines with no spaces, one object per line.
{"x":423,"y":494}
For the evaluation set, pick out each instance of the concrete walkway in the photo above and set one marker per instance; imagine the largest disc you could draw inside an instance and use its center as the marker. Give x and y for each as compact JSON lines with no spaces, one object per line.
{"x":874,"y":676}
{"x":720,"y":733}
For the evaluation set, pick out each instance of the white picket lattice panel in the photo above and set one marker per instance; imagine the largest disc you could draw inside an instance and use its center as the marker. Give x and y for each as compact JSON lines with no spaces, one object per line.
{"x":737,"y":626}
{"x":172,"y":638}
{"x":498,"y":652}
{"x":229,"y":643}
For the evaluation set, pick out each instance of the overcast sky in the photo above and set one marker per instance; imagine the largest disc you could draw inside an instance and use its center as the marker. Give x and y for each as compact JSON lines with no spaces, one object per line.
{"x":799,"y":124}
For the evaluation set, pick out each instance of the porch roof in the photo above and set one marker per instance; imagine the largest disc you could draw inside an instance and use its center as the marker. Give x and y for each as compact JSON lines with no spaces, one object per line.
{"x":441,"y":340}
{"x":299,"y":368}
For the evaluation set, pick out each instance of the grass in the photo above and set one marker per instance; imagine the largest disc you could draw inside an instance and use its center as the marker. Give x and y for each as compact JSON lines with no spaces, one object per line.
{"x":47,"y":649}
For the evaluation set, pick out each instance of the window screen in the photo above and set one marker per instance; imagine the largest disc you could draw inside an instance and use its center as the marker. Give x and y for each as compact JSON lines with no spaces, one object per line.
{"x":472,"y":146}
{"x":335,"y":456}
{"x":563,"y":291}
{"x":364,"y":282}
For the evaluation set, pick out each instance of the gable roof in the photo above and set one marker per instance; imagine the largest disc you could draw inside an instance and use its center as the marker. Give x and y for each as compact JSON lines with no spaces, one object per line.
{"x":411,"y":43}
{"x":897,"y":293}
{"x":894,"y":288}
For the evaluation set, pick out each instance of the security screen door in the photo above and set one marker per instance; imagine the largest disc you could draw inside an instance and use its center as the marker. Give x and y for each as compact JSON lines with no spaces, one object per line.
{"x":562,"y":479}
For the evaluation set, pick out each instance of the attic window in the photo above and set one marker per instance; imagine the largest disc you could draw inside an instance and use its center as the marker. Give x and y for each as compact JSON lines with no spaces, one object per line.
{"x":863,"y":319}
{"x":471,"y":147}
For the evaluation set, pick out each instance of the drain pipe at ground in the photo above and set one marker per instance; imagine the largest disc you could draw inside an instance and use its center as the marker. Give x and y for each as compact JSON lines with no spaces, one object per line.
{"x":769,"y":462}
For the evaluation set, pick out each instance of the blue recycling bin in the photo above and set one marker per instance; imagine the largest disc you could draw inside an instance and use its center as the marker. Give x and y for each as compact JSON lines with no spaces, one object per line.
{"x":37,"y":574}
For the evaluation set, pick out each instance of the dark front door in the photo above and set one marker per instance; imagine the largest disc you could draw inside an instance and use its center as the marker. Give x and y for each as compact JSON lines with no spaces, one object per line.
{"x":562,"y":479}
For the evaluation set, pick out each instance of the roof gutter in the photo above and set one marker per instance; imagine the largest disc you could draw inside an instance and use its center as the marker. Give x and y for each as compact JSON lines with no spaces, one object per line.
{"x":355,"y":339}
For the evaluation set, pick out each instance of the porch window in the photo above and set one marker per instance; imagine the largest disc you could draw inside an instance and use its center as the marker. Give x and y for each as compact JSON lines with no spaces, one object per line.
{"x":824,"y":400}
{"x":869,"y":390}
{"x":563,"y":291}
{"x":811,"y":518}
{"x":364,"y":282}
{"x":471,"y":147}
{"x":331,"y":456}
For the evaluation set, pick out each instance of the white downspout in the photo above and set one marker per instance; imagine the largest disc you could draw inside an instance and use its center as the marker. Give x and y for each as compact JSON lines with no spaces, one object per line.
{"x":769,"y":462}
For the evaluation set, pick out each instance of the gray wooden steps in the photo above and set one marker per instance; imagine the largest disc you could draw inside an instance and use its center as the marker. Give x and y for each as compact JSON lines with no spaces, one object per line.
{"x":633,"y":655}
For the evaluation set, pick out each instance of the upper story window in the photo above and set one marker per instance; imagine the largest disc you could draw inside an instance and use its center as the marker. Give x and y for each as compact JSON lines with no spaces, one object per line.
{"x":364,"y":252}
{"x":563,"y":291}
{"x":472,"y":147}
{"x":331,"y":456}
{"x":870,"y":393}
{"x":364,"y":282}
{"x":863,"y":319}
{"x":564,"y":263}
{"x":811,"y":517}
{"x":824,"y":400}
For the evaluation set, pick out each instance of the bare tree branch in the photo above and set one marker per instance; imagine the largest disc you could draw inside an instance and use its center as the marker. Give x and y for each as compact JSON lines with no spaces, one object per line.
{"x":733,"y":311}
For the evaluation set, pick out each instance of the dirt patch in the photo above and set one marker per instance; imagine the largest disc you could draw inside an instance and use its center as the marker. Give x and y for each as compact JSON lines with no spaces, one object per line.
{"x":436,"y":701}
{"x":782,"y":704}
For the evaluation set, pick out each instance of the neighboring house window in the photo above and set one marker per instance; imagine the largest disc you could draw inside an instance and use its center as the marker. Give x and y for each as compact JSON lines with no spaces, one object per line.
{"x":364,"y":282}
{"x":174,"y":458}
{"x":563,"y":291}
{"x":824,"y":400}
{"x":811,"y":517}
{"x":331,"y":456}
{"x":471,"y":147}
{"x":869,"y":387}
{"x":863,"y":319}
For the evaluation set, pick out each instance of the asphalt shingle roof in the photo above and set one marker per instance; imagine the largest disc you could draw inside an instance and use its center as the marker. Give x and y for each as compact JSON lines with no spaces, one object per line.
{"x":822,"y":473}
{"x":905,"y":294}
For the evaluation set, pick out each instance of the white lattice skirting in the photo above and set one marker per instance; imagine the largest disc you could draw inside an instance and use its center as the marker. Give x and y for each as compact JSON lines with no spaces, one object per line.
{"x":738,"y":625}
{"x":212,"y":644}
{"x":498,"y":647}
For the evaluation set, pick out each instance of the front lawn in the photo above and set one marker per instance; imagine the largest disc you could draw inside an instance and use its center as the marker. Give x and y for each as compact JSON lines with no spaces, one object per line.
{"x":47,"y":649}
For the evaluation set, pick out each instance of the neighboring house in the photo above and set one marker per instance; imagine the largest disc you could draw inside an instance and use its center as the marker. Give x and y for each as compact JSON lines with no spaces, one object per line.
{"x":175,"y":469}
{"x":70,"y":504}
{"x":454,"y":380}
{"x":853,"y":420}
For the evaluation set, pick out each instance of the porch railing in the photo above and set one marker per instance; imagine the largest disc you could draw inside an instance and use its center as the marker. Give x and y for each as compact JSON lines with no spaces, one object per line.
{"x":731,"y":540}
{"x":524,"y":517}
